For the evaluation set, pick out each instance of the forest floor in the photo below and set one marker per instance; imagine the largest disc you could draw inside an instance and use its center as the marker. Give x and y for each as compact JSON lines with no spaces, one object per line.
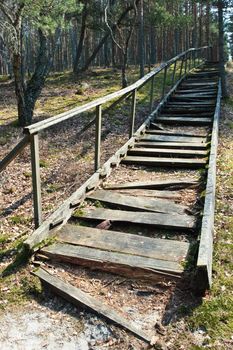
{"x":34,"y":319}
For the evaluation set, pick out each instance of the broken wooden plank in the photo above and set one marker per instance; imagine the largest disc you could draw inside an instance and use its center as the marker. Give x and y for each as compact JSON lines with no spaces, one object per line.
{"x":175,"y":145}
{"x":167,"y":138}
{"x":156,"y":184}
{"x":156,"y":126}
{"x":127,"y":243}
{"x":167,"y":162}
{"x":168,"y":152}
{"x":162,"y":220}
{"x":115,"y":262}
{"x":77,"y":297}
{"x":138,"y":203}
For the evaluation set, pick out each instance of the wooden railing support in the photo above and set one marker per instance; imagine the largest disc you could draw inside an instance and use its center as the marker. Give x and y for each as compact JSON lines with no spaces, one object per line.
{"x":186,"y":64}
{"x":133,"y":113}
{"x":98,"y":136}
{"x":164,"y":81}
{"x":174,"y":73}
{"x":151,"y":94}
{"x":36,"y":183}
{"x":181,"y":68}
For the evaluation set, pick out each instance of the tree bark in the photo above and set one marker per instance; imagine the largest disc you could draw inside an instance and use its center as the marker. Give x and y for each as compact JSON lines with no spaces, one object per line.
{"x":141,"y":39}
{"x":221,"y":48}
{"x":27,"y":97}
{"x":81,"y":40}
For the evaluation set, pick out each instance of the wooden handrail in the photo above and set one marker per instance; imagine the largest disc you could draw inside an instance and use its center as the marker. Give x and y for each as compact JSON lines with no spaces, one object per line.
{"x":14,"y":152}
{"x":38,"y":127}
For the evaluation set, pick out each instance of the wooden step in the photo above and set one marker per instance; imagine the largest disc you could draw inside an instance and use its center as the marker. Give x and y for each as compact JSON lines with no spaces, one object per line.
{"x":165,"y":162}
{"x":196,"y":91}
{"x":115,"y":262}
{"x":174,"y":133}
{"x":175,"y":145}
{"x":193,"y":98}
{"x":191,"y":84}
{"x":203,"y":74}
{"x":199,"y":96}
{"x":167,"y":138}
{"x":191,"y":104}
{"x":156,"y":184}
{"x":189,"y":109}
{"x":121,"y":242}
{"x":174,"y":195}
{"x":188,"y":115}
{"x":166,"y":221}
{"x":152,"y":152}
{"x":137,"y":203}
{"x":185,"y":121}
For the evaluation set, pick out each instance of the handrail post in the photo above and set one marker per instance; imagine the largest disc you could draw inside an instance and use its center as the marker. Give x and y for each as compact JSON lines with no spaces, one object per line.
{"x":98,"y":136}
{"x":164,"y":81}
{"x":186,"y":63}
{"x":36,"y":183}
{"x":211,"y":53}
{"x":181,"y":68}
{"x":151,"y":93}
{"x":190,"y":60}
{"x":174,"y":73}
{"x":133,"y":112}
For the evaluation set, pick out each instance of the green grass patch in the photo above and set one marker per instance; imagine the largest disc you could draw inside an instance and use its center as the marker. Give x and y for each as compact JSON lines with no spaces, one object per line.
{"x":19,"y":219}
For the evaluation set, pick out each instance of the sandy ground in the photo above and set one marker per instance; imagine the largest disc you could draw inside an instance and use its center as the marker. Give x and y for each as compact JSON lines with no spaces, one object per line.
{"x":55,"y":325}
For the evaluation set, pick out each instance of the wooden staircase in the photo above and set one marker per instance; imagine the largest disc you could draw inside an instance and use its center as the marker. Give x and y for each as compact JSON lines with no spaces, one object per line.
{"x":141,"y":229}
{"x":193,"y":103}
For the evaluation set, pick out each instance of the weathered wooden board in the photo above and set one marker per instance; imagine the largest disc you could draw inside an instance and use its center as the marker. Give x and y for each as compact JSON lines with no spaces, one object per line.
{"x":184,"y":90}
{"x":174,"y":133}
{"x":195,"y":95}
{"x":166,"y":152}
{"x":168,"y":114}
{"x":205,"y":253}
{"x":77,"y":297}
{"x":186,"y":110}
{"x":167,"y":138}
{"x":156,"y":184}
{"x":194,"y":103}
{"x":119,"y":263}
{"x":174,"y":195}
{"x":138,"y":203}
{"x":185,"y":120}
{"x":155,"y":219}
{"x":175,"y":145}
{"x":156,"y":126}
{"x":167,"y":162}
{"x":198,"y":99}
{"x":162,"y":249}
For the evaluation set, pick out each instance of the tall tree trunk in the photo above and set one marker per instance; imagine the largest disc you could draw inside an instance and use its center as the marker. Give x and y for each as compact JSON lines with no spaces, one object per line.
{"x":81,"y":40}
{"x":27,"y":97}
{"x":19,"y":88}
{"x":221,"y":48}
{"x":141,"y":39}
{"x":106,"y":36}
